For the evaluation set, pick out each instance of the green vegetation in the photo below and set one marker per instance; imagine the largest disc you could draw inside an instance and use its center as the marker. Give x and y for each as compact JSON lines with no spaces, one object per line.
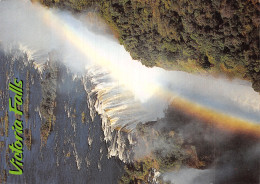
{"x":27,"y":98}
{"x":83,"y":117}
{"x":164,"y":149}
{"x":6,"y":123}
{"x":46,"y":129}
{"x":68,"y":154}
{"x":195,"y":36}
{"x":28,"y":138}
{"x":2,"y":145}
{"x":49,"y":87}
{"x":2,"y":132}
{"x":7,"y":153}
{"x":139,"y":171}
{"x":3,"y":178}
{"x":168,"y":148}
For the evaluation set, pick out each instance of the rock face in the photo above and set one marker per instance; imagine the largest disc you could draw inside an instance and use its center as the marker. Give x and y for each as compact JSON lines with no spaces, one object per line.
{"x":67,"y":150}
{"x":49,"y":93}
{"x":256,"y":86}
{"x":49,"y":87}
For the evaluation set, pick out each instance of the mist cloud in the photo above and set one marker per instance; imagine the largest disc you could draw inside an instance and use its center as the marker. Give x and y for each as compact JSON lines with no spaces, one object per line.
{"x":24,"y":24}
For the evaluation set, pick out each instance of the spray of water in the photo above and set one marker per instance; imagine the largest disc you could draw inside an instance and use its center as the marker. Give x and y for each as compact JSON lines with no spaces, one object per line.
{"x":127,"y":92}
{"x":40,"y":30}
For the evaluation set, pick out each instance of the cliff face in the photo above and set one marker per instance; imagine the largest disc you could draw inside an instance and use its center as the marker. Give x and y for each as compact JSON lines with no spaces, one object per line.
{"x":199,"y":36}
{"x":56,"y":110}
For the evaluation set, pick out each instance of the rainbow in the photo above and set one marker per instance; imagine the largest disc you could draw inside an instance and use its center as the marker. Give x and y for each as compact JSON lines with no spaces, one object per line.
{"x":217,"y":118}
